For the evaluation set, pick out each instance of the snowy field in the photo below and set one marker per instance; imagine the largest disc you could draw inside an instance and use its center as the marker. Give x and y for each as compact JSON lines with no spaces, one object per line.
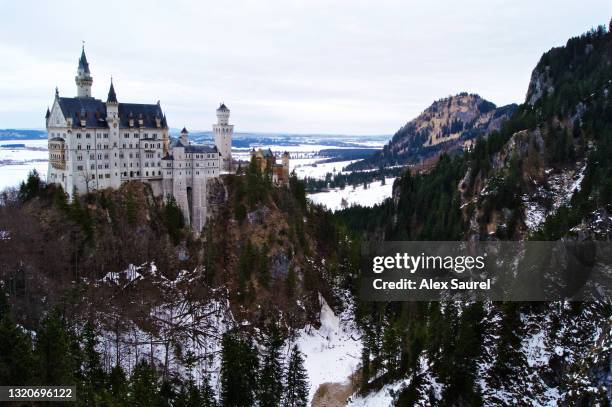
{"x":16,"y":163}
{"x":374,"y":194}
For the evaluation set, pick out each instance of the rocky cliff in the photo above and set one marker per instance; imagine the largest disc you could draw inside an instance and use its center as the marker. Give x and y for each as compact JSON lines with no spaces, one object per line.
{"x":448,"y":124}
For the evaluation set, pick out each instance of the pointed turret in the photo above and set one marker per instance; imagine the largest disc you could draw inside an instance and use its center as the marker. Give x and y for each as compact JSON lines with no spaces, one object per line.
{"x":48,"y":113}
{"x":112,"y":96}
{"x":83,"y":64}
{"x":83,"y":78}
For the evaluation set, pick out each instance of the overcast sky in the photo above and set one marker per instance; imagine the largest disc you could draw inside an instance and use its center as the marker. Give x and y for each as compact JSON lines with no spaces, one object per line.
{"x":333,"y":67}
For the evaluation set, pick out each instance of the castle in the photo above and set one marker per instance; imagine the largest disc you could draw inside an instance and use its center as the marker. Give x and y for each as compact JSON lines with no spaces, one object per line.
{"x":96,"y":145}
{"x":266,"y":161}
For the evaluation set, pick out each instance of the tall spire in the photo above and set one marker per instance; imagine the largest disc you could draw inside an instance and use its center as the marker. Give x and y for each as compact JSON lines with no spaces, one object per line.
{"x":112,"y":96}
{"x":83,"y":79}
{"x":83,"y":65}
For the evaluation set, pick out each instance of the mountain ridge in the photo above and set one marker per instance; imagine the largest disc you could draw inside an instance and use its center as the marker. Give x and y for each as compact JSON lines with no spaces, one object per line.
{"x":448,"y":124}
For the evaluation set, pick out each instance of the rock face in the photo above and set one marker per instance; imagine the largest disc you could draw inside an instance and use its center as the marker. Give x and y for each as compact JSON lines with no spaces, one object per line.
{"x":448,"y":124}
{"x":539,"y":85}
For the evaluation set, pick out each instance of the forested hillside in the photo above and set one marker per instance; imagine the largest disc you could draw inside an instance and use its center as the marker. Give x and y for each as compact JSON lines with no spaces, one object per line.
{"x":112,"y":293}
{"x":544,"y":175}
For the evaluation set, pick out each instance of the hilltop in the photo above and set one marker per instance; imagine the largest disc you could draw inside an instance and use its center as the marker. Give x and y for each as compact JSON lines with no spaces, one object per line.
{"x":452,"y":123}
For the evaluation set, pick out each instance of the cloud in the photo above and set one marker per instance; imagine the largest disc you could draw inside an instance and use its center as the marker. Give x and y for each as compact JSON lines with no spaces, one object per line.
{"x":350,"y":67}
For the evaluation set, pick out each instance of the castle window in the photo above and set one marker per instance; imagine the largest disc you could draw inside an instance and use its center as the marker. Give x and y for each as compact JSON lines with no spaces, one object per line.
{"x":80,"y":167}
{"x":98,"y":135}
{"x":91,"y":156}
{"x":107,"y":175}
{"x":87,"y":135}
{"x":78,"y":146}
{"x":88,"y":146}
{"x":126,"y":135}
{"x":135,"y":135}
{"x":78,"y":135}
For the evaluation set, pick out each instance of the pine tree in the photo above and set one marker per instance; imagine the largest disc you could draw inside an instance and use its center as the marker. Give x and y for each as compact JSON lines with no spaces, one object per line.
{"x":143,"y":385}
{"x":31,"y":187}
{"x":53,"y":354}
{"x":239,"y":368}
{"x":271,"y":382}
{"x":118,"y":386}
{"x":296,"y":381}
{"x":16,"y":359}
{"x":173,"y":218}
{"x":92,"y":364}
{"x":93,"y":374}
{"x":207,"y":394}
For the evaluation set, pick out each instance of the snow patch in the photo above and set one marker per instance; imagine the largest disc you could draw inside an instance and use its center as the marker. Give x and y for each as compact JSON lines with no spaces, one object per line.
{"x":332,"y":352}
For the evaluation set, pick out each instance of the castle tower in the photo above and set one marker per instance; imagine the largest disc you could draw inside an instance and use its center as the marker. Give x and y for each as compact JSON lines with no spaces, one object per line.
{"x":112,"y":118}
{"x":184,"y":137}
{"x":223,"y":132}
{"x":83,"y":79}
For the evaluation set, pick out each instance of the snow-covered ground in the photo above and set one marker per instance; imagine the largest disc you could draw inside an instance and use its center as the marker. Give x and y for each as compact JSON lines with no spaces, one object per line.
{"x":316,"y":169}
{"x":374,"y":194}
{"x":16,"y":163}
{"x":331,"y":352}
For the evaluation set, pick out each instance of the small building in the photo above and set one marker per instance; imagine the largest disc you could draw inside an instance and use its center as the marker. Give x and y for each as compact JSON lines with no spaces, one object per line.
{"x":266,"y":160}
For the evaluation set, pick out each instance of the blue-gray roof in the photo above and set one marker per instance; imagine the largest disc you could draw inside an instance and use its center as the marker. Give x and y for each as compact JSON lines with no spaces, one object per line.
{"x":94,"y":110}
{"x":112,"y":96}
{"x":200,"y":149}
{"x":222,"y":107}
{"x":83,"y":64}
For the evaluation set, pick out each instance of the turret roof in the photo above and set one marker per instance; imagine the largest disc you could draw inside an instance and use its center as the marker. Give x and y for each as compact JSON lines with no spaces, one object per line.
{"x":222,"y":107}
{"x":112,"y":96}
{"x":83,"y":65}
